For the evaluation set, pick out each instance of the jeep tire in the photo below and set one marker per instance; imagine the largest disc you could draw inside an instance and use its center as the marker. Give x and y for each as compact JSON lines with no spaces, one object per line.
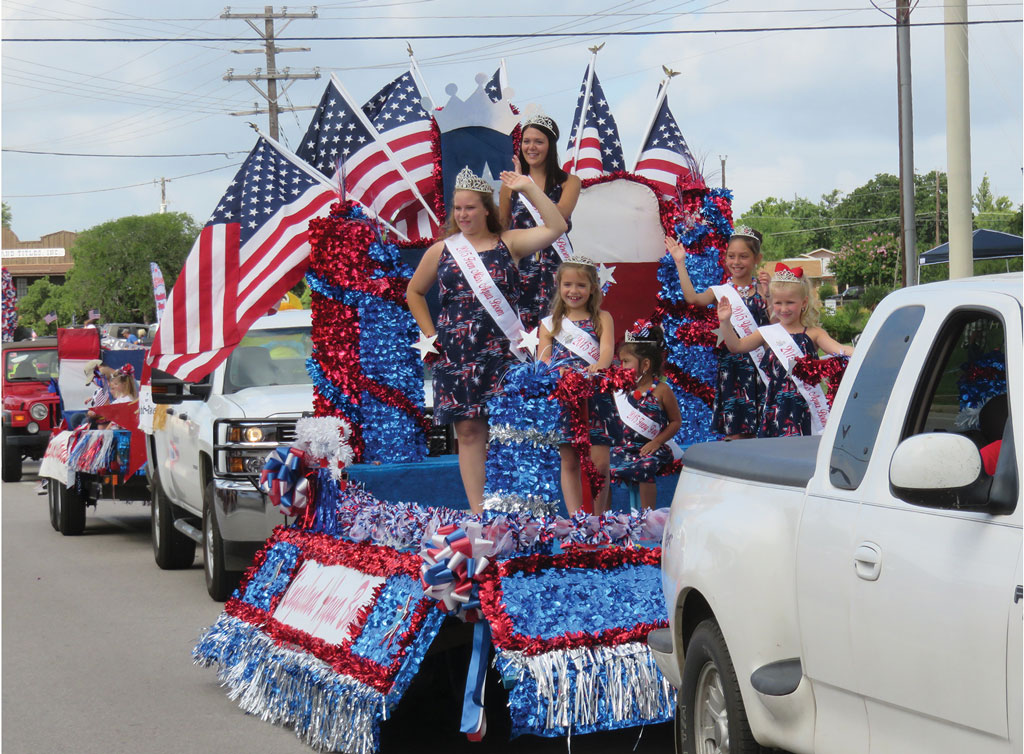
{"x":70,"y":511}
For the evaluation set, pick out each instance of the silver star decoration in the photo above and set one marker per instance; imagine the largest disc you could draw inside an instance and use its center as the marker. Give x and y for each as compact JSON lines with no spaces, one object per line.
{"x":720,"y":333}
{"x":426,"y":345}
{"x":528,"y":341}
{"x":605,"y":275}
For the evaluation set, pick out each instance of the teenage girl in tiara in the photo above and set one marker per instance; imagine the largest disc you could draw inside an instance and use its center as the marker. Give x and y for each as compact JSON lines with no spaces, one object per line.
{"x":538,"y":158}
{"x":475,"y":267}
{"x":739,"y":389}
{"x":649,"y":413}
{"x":791,"y":407}
{"x":581,"y":332}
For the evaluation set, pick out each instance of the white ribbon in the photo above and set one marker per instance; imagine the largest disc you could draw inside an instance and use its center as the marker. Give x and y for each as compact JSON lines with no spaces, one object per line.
{"x":787,"y":352}
{"x":487,"y":291}
{"x":561,"y":244}
{"x":742,"y":322}
{"x":641,"y":423}
{"x":575,"y":338}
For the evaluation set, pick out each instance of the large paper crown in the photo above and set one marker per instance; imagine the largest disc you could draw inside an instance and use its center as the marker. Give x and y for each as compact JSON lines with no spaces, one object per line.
{"x":477,"y":110}
{"x":467,"y":180}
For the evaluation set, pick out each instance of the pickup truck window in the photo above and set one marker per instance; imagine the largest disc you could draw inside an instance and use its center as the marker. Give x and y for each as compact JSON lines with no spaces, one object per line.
{"x":865,"y":404}
{"x":269,"y":357}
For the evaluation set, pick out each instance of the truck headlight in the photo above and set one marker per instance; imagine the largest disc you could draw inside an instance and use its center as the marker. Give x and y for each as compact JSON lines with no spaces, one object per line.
{"x":249,"y":434}
{"x":253,"y":434}
{"x":39,"y":411}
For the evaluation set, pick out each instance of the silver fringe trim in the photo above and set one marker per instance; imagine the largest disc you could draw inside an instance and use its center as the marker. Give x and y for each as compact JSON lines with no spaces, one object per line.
{"x":573,"y":692}
{"x":508,"y":433}
{"x":282,"y":686}
{"x":513,"y":503}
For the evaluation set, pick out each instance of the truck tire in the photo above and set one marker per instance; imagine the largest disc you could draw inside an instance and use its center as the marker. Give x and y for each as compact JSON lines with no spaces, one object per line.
{"x":710,"y":717}
{"x":11,"y":470}
{"x":51,"y":499}
{"x":70,"y":511}
{"x":172,"y":550}
{"x":220,"y":582}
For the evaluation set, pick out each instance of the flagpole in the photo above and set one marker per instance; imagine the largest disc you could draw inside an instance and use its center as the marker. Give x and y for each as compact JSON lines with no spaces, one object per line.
{"x":586,"y":106}
{"x":315,"y":174}
{"x":416,"y":72}
{"x":662,"y":93}
{"x":503,"y":77}
{"x":383,"y":146}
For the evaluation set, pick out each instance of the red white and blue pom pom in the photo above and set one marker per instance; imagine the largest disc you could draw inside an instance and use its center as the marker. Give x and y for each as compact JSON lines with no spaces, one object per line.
{"x":453,"y":567}
{"x":283,"y":479}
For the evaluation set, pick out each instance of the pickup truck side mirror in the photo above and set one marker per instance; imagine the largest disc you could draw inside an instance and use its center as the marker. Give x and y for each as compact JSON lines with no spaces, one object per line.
{"x":168,"y":390}
{"x":942,"y":470}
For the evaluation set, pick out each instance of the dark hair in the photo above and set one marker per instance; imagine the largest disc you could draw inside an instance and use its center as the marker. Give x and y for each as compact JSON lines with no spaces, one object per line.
{"x":493,"y":223}
{"x":651,"y":348}
{"x":752,"y":244}
{"x":553,"y":173}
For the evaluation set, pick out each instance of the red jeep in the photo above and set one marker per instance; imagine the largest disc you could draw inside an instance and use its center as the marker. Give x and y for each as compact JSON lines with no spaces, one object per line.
{"x":30,"y":410}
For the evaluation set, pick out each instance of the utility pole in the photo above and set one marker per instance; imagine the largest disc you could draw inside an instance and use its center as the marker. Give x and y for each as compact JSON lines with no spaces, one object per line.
{"x":723,"y":158}
{"x":163,"y":196}
{"x":958,"y":141}
{"x":908,"y":210}
{"x":272,"y":75}
{"x":938,"y":209}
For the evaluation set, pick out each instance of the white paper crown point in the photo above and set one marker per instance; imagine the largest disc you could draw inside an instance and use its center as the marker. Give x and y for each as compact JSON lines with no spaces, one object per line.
{"x":467,"y":180}
{"x":479,"y":110}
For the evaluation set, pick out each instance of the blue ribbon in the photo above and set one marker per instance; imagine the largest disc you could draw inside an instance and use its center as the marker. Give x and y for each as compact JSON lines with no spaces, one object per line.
{"x":474,"y":719}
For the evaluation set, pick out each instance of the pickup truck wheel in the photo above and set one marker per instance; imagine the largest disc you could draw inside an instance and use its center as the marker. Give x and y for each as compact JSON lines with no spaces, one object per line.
{"x":172,"y":550}
{"x":71,"y":511}
{"x":220,"y":582}
{"x":51,"y":498}
{"x":11,"y":464}
{"x":710,"y":718}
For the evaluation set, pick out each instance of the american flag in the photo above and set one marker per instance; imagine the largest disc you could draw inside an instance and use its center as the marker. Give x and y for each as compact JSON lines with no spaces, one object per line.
{"x":337,"y":135}
{"x":600,"y":148}
{"x":251,"y":251}
{"x":50,"y":318}
{"x":665,"y":156}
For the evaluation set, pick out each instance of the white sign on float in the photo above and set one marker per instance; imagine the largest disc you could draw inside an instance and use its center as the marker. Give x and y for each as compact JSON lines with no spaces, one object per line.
{"x":618,"y":223}
{"x":324,"y":600}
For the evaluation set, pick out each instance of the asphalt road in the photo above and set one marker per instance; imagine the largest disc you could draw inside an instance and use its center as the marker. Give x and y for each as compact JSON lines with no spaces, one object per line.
{"x":96,"y":654}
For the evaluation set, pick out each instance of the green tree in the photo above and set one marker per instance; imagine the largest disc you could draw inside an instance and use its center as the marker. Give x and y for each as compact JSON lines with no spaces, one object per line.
{"x":41,"y":298}
{"x":993,"y":212}
{"x":790,"y":228}
{"x":111,"y":270}
{"x":871,"y":260}
{"x":6,"y":215}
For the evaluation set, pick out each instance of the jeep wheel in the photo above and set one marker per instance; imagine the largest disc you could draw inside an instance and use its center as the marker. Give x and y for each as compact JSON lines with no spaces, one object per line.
{"x":70,"y":511}
{"x":220,"y":582}
{"x":171,"y":549}
{"x":11,"y":464}
{"x":710,"y":718}
{"x":51,"y":498}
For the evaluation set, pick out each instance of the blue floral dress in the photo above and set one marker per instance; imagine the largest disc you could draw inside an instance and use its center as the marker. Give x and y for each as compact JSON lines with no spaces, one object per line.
{"x":739,"y":390}
{"x":474,"y":351}
{"x":785,"y":411}
{"x":627,"y":463}
{"x":537,"y":272}
{"x":604,"y":419}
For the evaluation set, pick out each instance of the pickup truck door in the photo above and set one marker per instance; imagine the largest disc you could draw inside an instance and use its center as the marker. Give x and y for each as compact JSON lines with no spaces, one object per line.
{"x":931,"y":587}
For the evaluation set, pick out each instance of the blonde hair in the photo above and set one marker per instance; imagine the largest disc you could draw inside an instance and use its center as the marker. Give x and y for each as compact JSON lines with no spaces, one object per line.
{"x":809,"y":315}
{"x":593,"y":303}
{"x":126,"y":383}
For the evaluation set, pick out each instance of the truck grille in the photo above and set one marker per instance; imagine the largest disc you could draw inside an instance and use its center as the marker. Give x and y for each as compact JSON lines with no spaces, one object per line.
{"x":286,"y":432}
{"x":55,"y":417}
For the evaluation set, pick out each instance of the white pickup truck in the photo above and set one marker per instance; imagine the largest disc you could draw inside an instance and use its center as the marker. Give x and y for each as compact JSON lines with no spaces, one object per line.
{"x":861,"y":591}
{"x":209,"y":451}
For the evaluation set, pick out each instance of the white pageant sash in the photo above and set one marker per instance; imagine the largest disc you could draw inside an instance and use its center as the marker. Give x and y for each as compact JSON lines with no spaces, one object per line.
{"x":576,"y":339}
{"x":487,"y":291}
{"x":641,"y":423}
{"x":561,"y":244}
{"x":742,"y":322}
{"x":787,"y":352}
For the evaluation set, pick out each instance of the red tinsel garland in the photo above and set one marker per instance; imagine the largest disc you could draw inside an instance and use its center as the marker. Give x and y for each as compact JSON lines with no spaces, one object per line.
{"x":690,"y":384}
{"x":813,"y":371}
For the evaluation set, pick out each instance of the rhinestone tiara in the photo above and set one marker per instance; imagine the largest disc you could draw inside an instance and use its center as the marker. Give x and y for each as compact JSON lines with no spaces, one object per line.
{"x":582,"y":260}
{"x":467,"y":180}
{"x":543,"y":121}
{"x":784,"y":274}
{"x":744,"y":231}
{"x":640,"y":332}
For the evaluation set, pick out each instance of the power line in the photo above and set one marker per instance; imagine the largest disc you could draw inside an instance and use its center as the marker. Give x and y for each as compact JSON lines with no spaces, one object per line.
{"x":513,"y":35}
{"x":225,"y":155}
{"x":118,"y":188}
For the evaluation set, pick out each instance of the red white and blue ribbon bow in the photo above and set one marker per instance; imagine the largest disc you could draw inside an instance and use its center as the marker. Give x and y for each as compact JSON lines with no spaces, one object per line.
{"x":452,"y":569}
{"x":283,"y":479}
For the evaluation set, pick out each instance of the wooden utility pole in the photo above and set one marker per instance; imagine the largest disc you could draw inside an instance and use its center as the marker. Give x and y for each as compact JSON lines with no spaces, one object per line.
{"x":908,"y":210}
{"x":271,"y":75}
{"x":938,"y":210}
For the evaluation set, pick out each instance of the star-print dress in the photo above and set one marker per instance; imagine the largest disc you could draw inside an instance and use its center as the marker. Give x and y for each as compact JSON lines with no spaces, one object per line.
{"x":627,"y":463}
{"x":536,"y":272}
{"x":785,"y":411}
{"x":604,"y":419}
{"x":474,"y":351}
{"x":739,"y":391}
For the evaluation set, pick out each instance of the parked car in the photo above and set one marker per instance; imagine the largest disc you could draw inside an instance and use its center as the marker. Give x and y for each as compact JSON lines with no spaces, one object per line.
{"x":861,"y":591}
{"x":853,"y":293}
{"x":30,"y":411}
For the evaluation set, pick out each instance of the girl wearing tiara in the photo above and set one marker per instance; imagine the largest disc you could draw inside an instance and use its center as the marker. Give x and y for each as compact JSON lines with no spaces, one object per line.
{"x":478,"y":330}
{"x":791,"y":407}
{"x":538,"y":158}
{"x":579,"y":334}
{"x":739,"y":389}
{"x":649,"y":413}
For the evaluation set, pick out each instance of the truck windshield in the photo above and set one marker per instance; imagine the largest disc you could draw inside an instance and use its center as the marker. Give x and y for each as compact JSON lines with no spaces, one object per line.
{"x":37,"y":365}
{"x":269,"y":357}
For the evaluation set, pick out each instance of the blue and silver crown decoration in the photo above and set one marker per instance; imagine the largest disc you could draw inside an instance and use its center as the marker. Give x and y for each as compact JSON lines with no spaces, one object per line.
{"x":478,"y":110}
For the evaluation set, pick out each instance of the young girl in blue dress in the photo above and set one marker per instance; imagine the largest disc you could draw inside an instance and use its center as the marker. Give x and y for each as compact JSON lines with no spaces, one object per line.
{"x":641,"y":457}
{"x":474,"y":350}
{"x":739,"y":389}
{"x":581,"y":335}
{"x":538,"y":158}
{"x":785,"y":412}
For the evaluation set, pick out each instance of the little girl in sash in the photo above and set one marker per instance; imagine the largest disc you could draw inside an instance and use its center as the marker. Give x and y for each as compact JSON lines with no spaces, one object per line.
{"x":791,"y":406}
{"x":739,"y":389}
{"x":581,"y":333}
{"x":478,"y":330}
{"x":649,"y":413}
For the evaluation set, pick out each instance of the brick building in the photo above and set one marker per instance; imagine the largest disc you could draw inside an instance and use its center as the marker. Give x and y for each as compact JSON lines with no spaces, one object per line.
{"x":27,"y":261}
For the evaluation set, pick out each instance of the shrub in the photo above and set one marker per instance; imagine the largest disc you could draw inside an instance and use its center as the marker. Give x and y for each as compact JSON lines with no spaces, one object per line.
{"x":826,"y":290}
{"x":848,"y":321}
{"x":873,"y":295}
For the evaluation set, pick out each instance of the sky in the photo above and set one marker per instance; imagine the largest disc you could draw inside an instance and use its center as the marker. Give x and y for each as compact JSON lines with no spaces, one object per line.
{"x":795,"y":113}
